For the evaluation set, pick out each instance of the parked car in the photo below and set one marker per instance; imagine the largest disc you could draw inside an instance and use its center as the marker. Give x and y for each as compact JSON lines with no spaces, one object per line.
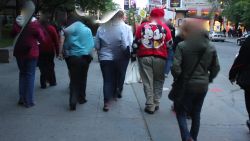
{"x":242,"y":39}
{"x":217,"y":36}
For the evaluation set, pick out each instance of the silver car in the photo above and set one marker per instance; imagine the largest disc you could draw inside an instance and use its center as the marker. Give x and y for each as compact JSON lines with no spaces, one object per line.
{"x":217,"y":36}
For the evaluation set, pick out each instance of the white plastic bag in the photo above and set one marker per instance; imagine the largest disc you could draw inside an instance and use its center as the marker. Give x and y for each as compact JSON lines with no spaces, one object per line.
{"x":132,"y":74}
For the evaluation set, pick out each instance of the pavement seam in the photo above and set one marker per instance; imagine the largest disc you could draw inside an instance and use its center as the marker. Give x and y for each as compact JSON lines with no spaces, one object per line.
{"x":143,"y":117}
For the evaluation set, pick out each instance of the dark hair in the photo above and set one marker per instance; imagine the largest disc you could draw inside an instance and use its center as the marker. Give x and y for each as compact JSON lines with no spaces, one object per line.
{"x":144,"y":20}
{"x":119,"y":14}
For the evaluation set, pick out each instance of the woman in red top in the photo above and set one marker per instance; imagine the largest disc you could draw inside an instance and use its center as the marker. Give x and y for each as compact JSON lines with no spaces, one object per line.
{"x":48,"y":50}
{"x":26,"y":52}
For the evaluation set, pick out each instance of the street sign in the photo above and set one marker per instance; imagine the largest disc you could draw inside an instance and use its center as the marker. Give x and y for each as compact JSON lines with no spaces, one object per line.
{"x":143,"y":13}
{"x":126,"y":4}
{"x":155,"y":2}
{"x":175,"y":3}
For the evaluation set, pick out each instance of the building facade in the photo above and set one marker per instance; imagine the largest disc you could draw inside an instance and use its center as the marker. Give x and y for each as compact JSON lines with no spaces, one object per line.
{"x":195,"y":8}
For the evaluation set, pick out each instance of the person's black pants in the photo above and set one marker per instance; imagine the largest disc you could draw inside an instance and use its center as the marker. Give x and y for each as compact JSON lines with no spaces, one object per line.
{"x":247,"y":100}
{"x":122,"y":66}
{"x":47,"y":68}
{"x":113,"y":72}
{"x":78,"y":68}
{"x":195,"y":98}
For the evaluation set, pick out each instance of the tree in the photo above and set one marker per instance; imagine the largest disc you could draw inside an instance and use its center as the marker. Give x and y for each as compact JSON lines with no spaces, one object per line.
{"x":97,"y":5}
{"x":3,"y":3}
{"x":51,"y":6}
{"x":92,"y":6}
{"x":238,"y":11}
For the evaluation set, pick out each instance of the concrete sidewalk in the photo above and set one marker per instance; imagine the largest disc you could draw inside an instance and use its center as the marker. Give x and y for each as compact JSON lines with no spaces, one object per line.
{"x":51,"y":120}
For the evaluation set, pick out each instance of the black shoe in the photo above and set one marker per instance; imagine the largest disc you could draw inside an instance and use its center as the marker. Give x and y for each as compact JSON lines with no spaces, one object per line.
{"x":248,"y":124}
{"x":83,"y":101}
{"x":53,"y":84}
{"x":72,"y":107}
{"x":29,"y":106}
{"x":119,"y":95}
{"x":148,"y":111}
{"x":105,"y":108}
{"x":21,"y":103}
{"x":43,"y":87}
{"x":190,"y":139}
{"x":157,"y":108}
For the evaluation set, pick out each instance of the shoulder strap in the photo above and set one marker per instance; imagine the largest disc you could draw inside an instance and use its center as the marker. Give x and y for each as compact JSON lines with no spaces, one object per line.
{"x":197,"y":63}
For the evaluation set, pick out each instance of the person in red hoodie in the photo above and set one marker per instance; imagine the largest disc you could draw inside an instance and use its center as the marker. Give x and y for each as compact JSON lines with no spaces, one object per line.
{"x":151,"y":45}
{"x":26,"y":52}
{"x":48,"y":50}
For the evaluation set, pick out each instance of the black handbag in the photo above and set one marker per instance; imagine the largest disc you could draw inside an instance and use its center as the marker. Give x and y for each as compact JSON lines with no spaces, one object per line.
{"x":243,"y":77}
{"x":179,"y":86}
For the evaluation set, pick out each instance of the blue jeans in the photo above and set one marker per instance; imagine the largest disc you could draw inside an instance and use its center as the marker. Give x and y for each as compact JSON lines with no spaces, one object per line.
{"x":169,"y":60}
{"x":113,"y":72}
{"x":27,"y":69}
{"x":196,"y":96}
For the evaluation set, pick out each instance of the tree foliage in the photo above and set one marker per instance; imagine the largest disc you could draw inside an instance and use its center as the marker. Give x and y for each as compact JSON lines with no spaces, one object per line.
{"x":238,"y":11}
{"x":86,"y":5}
{"x":3,"y":4}
{"x":102,"y":5}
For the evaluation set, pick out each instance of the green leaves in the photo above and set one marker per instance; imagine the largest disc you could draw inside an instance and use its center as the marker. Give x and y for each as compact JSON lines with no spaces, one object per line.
{"x":238,"y":11}
{"x":94,"y":5}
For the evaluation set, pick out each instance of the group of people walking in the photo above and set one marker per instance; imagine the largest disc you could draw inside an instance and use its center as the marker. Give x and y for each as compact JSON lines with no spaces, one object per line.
{"x":195,"y":62}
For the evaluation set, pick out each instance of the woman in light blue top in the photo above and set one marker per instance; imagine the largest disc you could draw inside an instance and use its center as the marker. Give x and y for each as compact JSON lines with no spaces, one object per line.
{"x":78,"y":45}
{"x":112,"y":49}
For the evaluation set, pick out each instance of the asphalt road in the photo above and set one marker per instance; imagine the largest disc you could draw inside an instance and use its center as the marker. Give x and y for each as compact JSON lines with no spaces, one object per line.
{"x":223,"y":116}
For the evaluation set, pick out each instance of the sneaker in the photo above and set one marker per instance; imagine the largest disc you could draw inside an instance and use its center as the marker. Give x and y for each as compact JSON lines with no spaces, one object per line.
{"x":148,"y":111}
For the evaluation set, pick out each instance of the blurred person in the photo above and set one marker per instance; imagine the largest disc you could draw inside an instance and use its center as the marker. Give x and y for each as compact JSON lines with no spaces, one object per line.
{"x":78,"y":43}
{"x":48,"y":50}
{"x":26,"y":52}
{"x":124,"y":61}
{"x":169,"y":60}
{"x":171,"y":27}
{"x":195,"y":66}
{"x":224,"y":31}
{"x":151,"y":46}
{"x":239,"y":31}
{"x":112,"y":46}
{"x":240,"y":72}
